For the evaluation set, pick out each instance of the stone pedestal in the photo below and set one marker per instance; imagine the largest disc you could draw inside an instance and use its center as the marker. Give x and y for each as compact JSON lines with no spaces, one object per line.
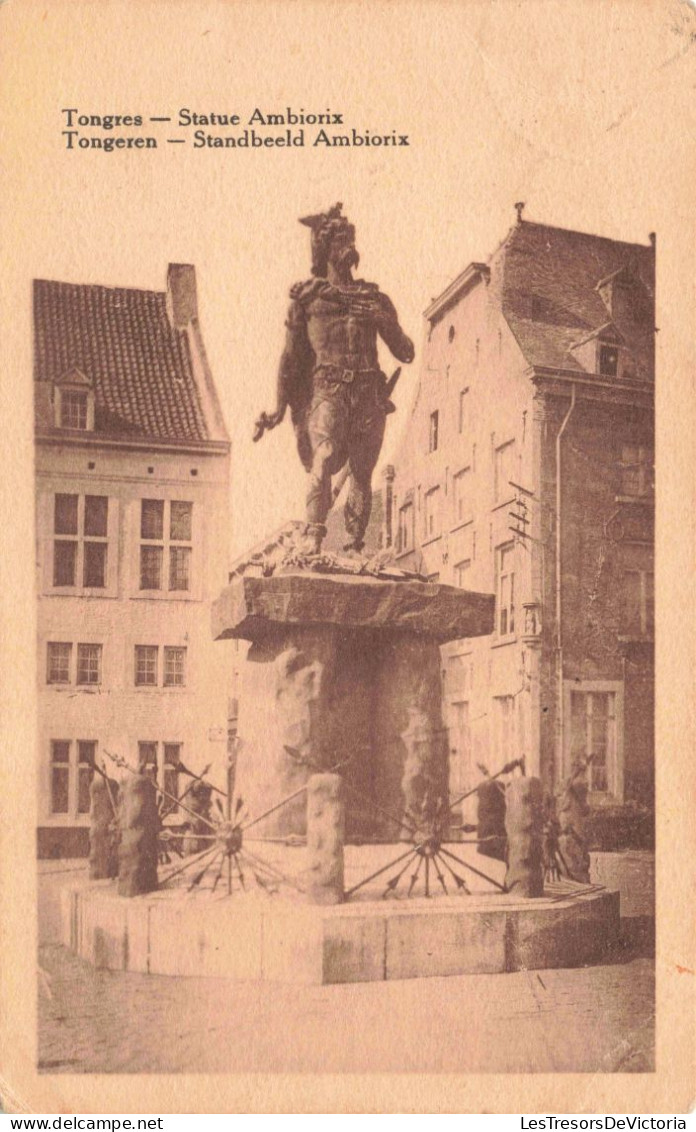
{"x":344,"y":674}
{"x":137,"y":851}
{"x":524,"y":825}
{"x":325,"y":838}
{"x":572,"y":811}
{"x":103,"y":828}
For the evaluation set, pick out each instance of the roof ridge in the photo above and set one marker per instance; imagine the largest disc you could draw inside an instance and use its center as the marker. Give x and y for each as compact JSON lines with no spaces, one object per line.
{"x":576,"y":232}
{"x":101,"y":287}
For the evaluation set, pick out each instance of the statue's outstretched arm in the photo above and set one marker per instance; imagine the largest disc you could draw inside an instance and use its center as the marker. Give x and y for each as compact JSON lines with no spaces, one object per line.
{"x":291,"y":371}
{"x":391,"y":333}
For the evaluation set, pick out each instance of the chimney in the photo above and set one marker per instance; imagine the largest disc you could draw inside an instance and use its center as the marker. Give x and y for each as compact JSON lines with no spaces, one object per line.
{"x":182,"y":303}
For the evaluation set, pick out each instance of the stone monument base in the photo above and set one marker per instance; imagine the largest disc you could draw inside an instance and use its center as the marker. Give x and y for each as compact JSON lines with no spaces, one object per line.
{"x":344,"y":673}
{"x":257,"y":937}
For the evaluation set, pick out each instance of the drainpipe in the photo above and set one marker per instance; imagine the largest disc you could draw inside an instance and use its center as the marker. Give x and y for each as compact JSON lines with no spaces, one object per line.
{"x":559,"y":630}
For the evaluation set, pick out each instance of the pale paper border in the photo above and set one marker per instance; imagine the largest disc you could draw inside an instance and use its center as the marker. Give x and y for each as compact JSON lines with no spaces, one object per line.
{"x":654,"y":173}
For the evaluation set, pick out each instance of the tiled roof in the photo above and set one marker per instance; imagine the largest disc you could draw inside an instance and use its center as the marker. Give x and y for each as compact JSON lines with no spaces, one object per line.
{"x":548,"y":284}
{"x":122,"y":340}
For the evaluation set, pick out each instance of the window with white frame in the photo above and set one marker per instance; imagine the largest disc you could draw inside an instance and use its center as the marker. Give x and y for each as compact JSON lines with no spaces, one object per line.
{"x":174,"y":666}
{"x":638,"y":586}
{"x":73,"y":409}
{"x":80,"y":540}
{"x":71,"y":773}
{"x":58,"y":657}
{"x":161,"y":762}
{"x":637,"y":470}
{"x":405,"y":536}
{"x":594,"y":737}
{"x":146,"y":657}
{"x":506,"y":589}
{"x":431,"y":513}
{"x":461,"y":491}
{"x":59,"y":663}
{"x":165,"y":544}
{"x":89,"y":664}
{"x":148,"y":668}
{"x":505,"y":471}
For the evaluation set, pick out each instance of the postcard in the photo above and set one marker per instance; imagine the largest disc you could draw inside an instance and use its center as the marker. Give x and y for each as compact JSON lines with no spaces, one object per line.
{"x":348,"y":556}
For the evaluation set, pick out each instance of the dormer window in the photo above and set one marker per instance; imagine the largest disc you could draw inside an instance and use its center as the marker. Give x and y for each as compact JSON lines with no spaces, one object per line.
{"x":608,"y":360}
{"x":603,"y":351}
{"x":73,"y":409}
{"x":74,"y":402}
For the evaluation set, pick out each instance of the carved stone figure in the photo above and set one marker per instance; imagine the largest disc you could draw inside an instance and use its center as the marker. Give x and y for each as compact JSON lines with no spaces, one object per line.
{"x":573,"y":810}
{"x":137,"y":851}
{"x":330,"y":377}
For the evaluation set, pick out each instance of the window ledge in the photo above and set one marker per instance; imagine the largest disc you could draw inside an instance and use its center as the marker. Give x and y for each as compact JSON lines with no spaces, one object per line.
{"x":68,"y":591}
{"x":639,"y":500}
{"x":404,"y":553}
{"x":460,"y":526}
{"x":168,"y":688}
{"x":167,"y":595}
{"x":433,"y":538}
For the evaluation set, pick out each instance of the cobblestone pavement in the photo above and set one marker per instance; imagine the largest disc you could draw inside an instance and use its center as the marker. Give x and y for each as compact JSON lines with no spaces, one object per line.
{"x":597,"y":1019}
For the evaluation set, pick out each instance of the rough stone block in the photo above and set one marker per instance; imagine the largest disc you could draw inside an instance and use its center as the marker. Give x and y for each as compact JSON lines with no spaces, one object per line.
{"x":137,"y":851}
{"x":177,"y":939}
{"x":354,"y":949}
{"x":572,"y":933}
{"x":250,"y":605}
{"x":232,"y":954}
{"x":107,"y":935}
{"x":444,"y":943}
{"x":138,"y":929}
{"x":325,"y":838}
{"x":292,"y":950}
{"x":524,"y":826}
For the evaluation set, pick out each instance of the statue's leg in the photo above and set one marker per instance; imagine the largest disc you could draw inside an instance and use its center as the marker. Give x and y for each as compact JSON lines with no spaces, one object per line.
{"x":326,"y":428}
{"x":364,"y":447}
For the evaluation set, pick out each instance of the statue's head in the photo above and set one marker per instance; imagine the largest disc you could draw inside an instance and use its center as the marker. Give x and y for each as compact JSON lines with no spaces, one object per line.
{"x":333,"y":240}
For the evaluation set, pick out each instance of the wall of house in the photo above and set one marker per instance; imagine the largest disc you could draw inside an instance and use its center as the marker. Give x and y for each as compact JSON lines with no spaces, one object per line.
{"x":117,"y":713}
{"x":607,"y":534}
{"x":472,"y":375}
{"x":503,"y":694}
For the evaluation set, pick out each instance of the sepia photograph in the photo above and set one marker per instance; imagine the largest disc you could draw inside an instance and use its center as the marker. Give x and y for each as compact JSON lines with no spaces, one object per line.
{"x":344,"y":475}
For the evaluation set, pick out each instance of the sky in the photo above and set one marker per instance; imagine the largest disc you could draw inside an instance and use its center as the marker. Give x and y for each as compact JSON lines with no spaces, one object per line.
{"x":500,"y":102}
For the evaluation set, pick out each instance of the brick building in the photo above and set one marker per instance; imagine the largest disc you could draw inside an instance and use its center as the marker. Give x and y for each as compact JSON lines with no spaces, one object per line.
{"x":526,"y":468}
{"x":132,"y":482}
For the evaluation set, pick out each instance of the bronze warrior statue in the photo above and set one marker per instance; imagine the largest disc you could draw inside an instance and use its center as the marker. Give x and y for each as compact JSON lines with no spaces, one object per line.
{"x":330,"y":377}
